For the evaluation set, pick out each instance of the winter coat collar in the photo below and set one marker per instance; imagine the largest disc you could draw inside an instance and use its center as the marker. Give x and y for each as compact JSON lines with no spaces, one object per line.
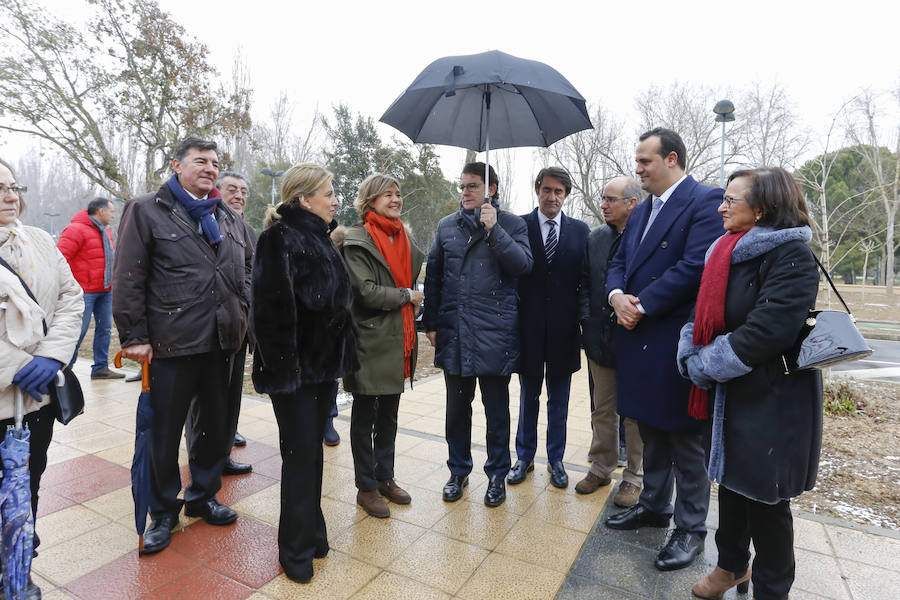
{"x":298,"y":217}
{"x":760,"y":240}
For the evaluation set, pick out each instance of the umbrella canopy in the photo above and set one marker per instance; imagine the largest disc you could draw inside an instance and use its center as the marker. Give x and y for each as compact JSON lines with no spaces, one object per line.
{"x":140,"y":464}
{"x":15,"y":507}
{"x":488,"y":100}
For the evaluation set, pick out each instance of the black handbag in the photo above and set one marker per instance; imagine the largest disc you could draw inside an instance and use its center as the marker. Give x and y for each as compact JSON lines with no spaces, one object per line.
{"x":66,"y":392}
{"x":828,"y":338}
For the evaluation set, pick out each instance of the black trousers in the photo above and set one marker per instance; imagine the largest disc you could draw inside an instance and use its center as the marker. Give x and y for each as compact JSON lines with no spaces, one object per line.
{"x":301,"y":427}
{"x":771,"y":527}
{"x":677,"y":458}
{"x":233,"y":396}
{"x":174,"y":384}
{"x":40,"y":422}
{"x":373,"y":431}
{"x":495,"y":397}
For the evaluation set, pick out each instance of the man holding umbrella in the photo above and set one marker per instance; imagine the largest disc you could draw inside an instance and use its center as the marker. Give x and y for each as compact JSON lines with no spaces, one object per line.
{"x":180,"y":299}
{"x":471,"y":319}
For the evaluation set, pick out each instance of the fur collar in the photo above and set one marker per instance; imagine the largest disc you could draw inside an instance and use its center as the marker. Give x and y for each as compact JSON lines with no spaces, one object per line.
{"x":298,"y":217}
{"x":760,"y":240}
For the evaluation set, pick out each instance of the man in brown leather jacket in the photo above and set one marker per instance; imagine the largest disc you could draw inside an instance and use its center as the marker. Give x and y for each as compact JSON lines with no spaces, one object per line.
{"x":181,"y":290}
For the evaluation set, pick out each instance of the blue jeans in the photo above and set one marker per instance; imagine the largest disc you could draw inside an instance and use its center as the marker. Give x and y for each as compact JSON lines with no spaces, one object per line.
{"x":98,"y":304}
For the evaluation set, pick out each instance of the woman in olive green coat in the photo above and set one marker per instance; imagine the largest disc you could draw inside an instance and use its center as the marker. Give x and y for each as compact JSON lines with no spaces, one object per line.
{"x":384,"y":265}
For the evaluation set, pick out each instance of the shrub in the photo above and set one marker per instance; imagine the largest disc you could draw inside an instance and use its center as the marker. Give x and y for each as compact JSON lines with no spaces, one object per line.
{"x":841,"y":398}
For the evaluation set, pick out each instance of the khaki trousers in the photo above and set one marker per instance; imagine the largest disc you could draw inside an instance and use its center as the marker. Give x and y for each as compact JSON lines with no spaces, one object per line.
{"x":604,"y":452}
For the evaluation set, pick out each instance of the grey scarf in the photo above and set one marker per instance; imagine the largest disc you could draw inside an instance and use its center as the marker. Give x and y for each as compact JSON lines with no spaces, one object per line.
{"x":108,"y":253}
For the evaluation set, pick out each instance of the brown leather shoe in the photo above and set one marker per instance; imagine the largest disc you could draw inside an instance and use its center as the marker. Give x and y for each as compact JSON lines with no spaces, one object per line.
{"x":715,"y":584}
{"x":628,"y":495}
{"x":591,"y":483}
{"x":390,"y":490}
{"x":373,"y":504}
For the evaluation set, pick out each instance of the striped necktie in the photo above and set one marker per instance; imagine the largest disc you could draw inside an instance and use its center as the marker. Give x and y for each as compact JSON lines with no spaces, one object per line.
{"x":552,"y":240}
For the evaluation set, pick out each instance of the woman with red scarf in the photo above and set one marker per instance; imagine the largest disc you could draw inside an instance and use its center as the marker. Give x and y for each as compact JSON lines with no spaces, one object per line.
{"x":758,"y":285}
{"x":383,"y":264}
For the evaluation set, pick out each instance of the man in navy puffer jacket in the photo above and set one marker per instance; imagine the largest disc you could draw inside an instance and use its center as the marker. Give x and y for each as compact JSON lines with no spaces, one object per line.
{"x":471,"y":319}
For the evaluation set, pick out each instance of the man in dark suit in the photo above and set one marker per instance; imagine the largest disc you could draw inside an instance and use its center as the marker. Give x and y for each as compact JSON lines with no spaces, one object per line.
{"x":652,"y":285}
{"x":548,"y":324}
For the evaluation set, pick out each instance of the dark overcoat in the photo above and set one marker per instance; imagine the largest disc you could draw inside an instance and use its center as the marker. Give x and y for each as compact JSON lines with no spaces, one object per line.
{"x":596,"y":315}
{"x":548,"y":301}
{"x":171,"y":289}
{"x":471,"y":294}
{"x":377,"y":304}
{"x":663,"y":271}
{"x":773,"y":421}
{"x":301,"y":305}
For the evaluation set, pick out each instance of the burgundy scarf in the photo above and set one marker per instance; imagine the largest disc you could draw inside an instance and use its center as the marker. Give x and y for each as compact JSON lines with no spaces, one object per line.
{"x":709,"y":314}
{"x":397,"y":256}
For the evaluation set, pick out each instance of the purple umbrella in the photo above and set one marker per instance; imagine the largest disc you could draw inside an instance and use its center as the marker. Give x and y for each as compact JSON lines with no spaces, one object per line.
{"x":15,"y":507}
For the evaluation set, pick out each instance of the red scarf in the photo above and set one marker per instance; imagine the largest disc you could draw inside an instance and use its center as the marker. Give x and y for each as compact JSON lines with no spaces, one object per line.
{"x":397,"y":256}
{"x":709,"y":314}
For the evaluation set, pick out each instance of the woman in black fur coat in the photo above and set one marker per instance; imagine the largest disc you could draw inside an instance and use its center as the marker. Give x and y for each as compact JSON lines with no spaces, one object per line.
{"x":306,"y":340}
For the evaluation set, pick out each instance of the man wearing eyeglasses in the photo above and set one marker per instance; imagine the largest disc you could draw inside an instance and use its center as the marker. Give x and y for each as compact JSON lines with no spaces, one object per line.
{"x":652,"y":285}
{"x":620,"y":197}
{"x":471,"y":319}
{"x":548,"y":324}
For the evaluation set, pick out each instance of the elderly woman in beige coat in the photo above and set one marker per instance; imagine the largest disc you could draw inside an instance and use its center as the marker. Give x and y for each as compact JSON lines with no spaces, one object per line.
{"x":29,"y":359}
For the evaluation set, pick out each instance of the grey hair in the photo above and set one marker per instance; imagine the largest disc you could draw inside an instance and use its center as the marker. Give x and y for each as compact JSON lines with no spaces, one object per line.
{"x":633,"y":189}
{"x":234,"y":174}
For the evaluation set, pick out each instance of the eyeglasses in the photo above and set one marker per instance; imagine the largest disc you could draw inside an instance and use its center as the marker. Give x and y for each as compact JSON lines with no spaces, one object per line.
{"x":472,"y":187}
{"x":18,"y":190}
{"x":729,"y":201}
{"x":611,"y":199}
{"x":235,"y":189}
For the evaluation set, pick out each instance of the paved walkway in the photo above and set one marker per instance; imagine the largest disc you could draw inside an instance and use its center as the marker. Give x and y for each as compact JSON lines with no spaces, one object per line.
{"x":542,"y":543}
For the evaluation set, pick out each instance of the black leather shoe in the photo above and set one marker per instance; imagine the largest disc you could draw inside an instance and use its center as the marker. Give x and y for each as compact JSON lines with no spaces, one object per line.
{"x":233,"y":467}
{"x":680,"y":551}
{"x":159,"y":535}
{"x":239,"y":440}
{"x":212,"y":511}
{"x":635,"y":518}
{"x":496,"y":491}
{"x":519,"y":472}
{"x":558,"y":475}
{"x":454,"y":487}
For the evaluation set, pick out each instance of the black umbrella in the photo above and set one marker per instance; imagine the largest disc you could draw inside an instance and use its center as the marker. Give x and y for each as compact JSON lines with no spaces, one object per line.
{"x":488,"y":100}
{"x":140,"y":463}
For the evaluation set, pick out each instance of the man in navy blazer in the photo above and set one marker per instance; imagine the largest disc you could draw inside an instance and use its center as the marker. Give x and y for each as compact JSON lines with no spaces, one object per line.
{"x":652,"y":286}
{"x":548,"y":324}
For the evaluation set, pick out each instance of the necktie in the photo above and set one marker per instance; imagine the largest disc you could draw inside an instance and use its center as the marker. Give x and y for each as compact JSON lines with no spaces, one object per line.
{"x":657,"y":205}
{"x":552,"y":240}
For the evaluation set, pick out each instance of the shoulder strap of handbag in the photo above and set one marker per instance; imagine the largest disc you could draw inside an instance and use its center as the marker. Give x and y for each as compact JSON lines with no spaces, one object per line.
{"x":24,"y":285}
{"x":828,"y":277}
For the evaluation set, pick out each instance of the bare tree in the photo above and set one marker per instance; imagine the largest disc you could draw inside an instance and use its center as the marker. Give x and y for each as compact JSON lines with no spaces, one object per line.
{"x":593,"y":157}
{"x":135,"y":71}
{"x":687,"y":109}
{"x":770,"y":134}
{"x":863,"y":129}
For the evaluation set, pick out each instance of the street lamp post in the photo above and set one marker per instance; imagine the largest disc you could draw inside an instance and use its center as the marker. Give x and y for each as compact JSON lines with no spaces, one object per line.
{"x":724,"y":110}
{"x":274,"y":175}
{"x":51,"y":215}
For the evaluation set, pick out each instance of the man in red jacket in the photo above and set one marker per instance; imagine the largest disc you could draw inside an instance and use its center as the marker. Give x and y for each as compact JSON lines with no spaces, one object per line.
{"x":87,"y":245}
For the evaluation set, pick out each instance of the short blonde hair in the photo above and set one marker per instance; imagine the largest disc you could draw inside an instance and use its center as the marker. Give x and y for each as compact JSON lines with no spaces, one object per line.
{"x":302,"y":179}
{"x":371,"y":188}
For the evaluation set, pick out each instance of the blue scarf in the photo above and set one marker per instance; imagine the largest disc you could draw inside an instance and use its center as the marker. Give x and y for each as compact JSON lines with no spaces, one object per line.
{"x":199,"y":210}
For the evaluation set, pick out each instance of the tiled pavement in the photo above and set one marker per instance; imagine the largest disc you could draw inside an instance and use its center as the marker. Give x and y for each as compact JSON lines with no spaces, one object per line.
{"x":542,"y":543}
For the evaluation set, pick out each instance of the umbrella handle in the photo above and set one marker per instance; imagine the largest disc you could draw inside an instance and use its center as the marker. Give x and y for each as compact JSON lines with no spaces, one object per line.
{"x":145,"y":371}
{"x":20,"y":408}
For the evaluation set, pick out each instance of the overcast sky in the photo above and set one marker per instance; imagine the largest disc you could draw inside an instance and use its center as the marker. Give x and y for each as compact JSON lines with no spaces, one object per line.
{"x":365,"y":53}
